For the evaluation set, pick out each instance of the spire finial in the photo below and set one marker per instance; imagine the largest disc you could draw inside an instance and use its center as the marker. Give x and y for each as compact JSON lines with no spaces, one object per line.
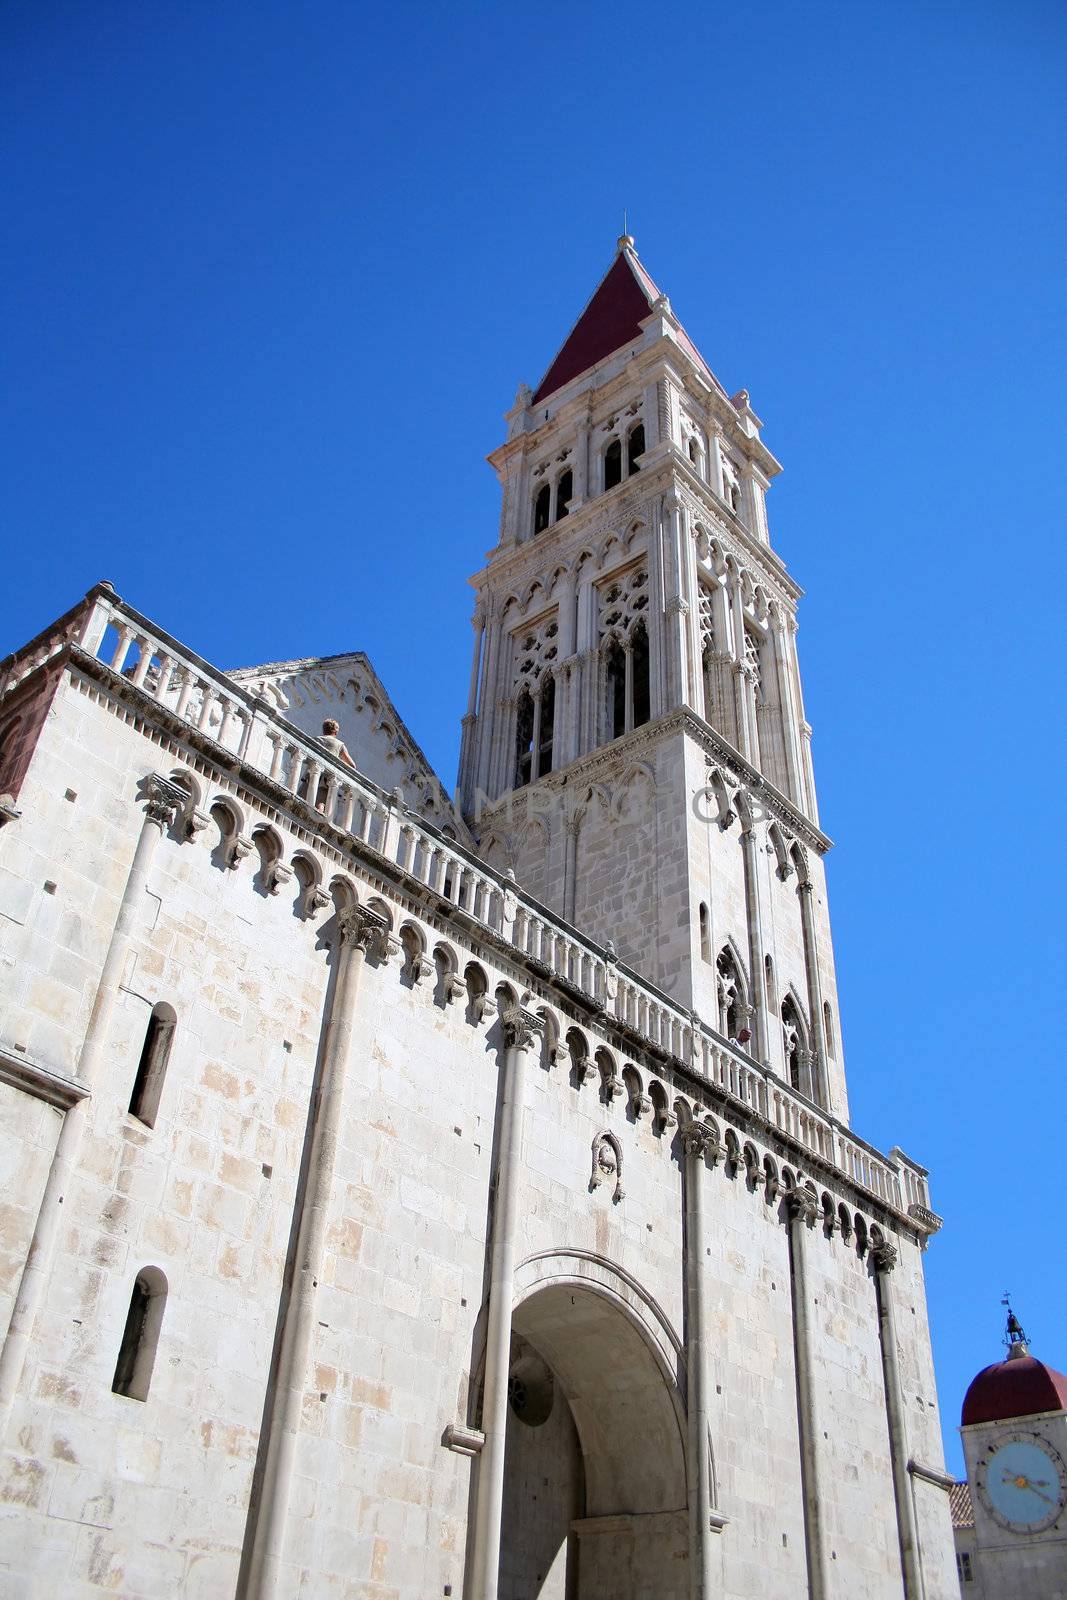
{"x":1014,"y":1336}
{"x":626,"y":239}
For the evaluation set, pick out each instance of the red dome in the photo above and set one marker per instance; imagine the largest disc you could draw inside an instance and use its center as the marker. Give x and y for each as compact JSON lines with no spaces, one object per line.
{"x":1018,"y":1388}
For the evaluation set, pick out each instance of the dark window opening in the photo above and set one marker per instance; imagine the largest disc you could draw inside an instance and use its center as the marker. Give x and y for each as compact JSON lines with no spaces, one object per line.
{"x":616,"y":663}
{"x":524,"y":731}
{"x":564,"y":490}
{"x":613,"y":464}
{"x":152,"y":1067}
{"x":635,"y":448}
{"x":548,"y":713}
{"x":140,"y":1338}
{"x":542,"y":508}
{"x":639,"y":668}
{"x":705,"y":938}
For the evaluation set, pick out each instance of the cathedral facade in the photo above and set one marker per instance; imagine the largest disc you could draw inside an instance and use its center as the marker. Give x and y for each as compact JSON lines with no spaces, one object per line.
{"x":411,"y":1197}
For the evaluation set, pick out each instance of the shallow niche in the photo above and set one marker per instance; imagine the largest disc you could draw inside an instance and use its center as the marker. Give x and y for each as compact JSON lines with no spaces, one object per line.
{"x":531,"y":1389}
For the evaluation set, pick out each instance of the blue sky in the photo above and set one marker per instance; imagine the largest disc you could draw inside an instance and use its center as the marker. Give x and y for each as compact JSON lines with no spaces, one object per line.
{"x":273,"y":273}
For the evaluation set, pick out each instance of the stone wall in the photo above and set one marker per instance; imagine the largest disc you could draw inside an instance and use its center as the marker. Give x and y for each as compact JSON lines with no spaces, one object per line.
{"x":104,"y":1493}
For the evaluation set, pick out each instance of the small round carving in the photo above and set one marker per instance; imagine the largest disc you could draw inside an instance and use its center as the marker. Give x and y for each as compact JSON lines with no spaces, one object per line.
{"x":531,"y":1390}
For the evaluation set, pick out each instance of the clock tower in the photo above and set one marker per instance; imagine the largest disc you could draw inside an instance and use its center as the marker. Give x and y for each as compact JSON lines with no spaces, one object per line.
{"x":1011,"y":1542}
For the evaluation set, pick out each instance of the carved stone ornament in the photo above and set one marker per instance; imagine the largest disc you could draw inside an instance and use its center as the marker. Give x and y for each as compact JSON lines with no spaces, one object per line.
{"x":453,"y":988}
{"x":314,"y":898}
{"x":558,"y":1055}
{"x":585,"y":1069}
{"x":884,"y":1256}
{"x":418,"y":966}
{"x":194,"y":822}
{"x":614,"y":1088}
{"x":240,"y":847}
{"x":642,"y":1105}
{"x":607,"y":1165}
{"x":801,"y":1205}
{"x":361,"y":928}
{"x":522,"y":1028}
{"x":276,"y":875}
{"x":701,"y":1140}
{"x":164,"y":800}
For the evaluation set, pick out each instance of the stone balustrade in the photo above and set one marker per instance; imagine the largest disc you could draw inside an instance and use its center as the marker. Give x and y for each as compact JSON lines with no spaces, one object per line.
{"x":610,"y":993}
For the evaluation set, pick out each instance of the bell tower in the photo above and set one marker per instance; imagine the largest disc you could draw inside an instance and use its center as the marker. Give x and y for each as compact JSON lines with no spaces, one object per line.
{"x":635,"y":746}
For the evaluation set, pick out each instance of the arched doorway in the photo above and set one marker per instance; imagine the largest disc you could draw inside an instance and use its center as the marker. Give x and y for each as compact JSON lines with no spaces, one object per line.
{"x":595,"y":1476}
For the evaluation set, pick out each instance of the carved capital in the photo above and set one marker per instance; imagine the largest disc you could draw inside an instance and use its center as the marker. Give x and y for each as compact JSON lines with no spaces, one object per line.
{"x":884,"y":1256}
{"x":239,"y":849}
{"x":677,"y":606}
{"x":642,"y":1105}
{"x":163,"y":800}
{"x":614,"y":1088}
{"x":522,"y":1028}
{"x":314,"y":898}
{"x":800,"y":1203}
{"x":700,"y":1139}
{"x":360,"y":928}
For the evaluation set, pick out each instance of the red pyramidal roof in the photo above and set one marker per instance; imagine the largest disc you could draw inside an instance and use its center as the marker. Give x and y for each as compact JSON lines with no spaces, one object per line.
{"x":612,"y":319}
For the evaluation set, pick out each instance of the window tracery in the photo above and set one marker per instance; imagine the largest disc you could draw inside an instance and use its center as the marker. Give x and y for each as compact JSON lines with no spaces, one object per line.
{"x":536,"y":649}
{"x":624,"y":647}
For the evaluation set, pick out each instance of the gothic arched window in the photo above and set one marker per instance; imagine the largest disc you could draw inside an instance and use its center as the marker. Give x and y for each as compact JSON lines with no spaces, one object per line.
{"x":639,"y":686}
{"x":613,"y":464}
{"x":635,"y":448}
{"x":564,"y":490}
{"x":792,"y":1044}
{"x":615,"y":664}
{"x":524,"y":738}
{"x":547,"y":716}
{"x":729,"y":995}
{"x":542,"y":508}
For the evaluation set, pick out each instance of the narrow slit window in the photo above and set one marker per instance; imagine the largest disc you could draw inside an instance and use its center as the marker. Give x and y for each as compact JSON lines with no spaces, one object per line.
{"x":616,"y":676}
{"x":140,"y":1338}
{"x":542,"y":508}
{"x":613,"y":464}
{"x":640,"y":689}
{"x":705,"y":937}
{"x":524,"y":734}
{"x":152,"y":1067}
{"x":548,"y":715}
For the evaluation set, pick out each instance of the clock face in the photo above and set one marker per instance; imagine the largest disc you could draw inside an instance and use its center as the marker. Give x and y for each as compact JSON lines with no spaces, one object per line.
{"x":1023,"y":1481}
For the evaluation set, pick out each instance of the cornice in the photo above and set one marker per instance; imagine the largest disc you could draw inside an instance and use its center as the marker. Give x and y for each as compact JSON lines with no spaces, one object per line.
{"x":633,"y":746}
{"x":41,"y":1081}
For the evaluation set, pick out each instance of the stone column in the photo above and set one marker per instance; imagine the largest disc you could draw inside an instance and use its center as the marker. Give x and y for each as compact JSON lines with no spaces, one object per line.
{"x":801,"y":1206}
{"x":790,"y":730}
{"x":811,"y":962}
{"x":164,"y":801}
{"x":358,"y":929}
{"x":884,"y":1256}
{"x":521,"y":1030}
{"x":487,"y":700}
{"x":698,"y":1142}
{"x":754,"y":919}
{"x":675,"y":607}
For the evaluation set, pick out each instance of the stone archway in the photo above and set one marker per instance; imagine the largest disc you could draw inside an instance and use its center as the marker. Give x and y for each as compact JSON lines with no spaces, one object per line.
{"x":595,"y":1475}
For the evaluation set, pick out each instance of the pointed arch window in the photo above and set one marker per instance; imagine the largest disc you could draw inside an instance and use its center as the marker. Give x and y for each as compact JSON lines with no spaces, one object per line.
{"x":793,"y":1046}
{"x":635,"y":448}
{"x":564,"y":491}
{"x":546,"y":718}
{"x":639,"y":687}
{"x":152,"y":1066}
{"x":615,"y":670}
{"x":542,"y":508}
{"x":613,"y":464}
{"x":732,"y":1009}
{"x":524,"y":738}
